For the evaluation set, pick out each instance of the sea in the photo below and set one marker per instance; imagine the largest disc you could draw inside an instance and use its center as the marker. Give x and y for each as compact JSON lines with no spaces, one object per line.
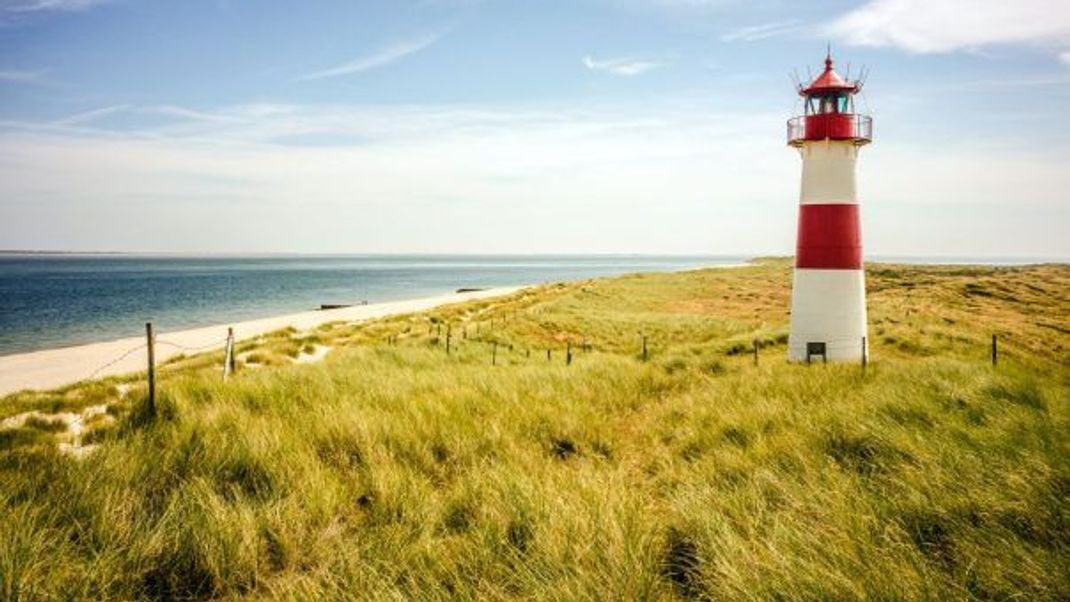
{"x":57,"y":300}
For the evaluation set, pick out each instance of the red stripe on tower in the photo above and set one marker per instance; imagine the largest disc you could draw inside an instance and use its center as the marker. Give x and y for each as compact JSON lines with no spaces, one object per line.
{"x":829,"y":237}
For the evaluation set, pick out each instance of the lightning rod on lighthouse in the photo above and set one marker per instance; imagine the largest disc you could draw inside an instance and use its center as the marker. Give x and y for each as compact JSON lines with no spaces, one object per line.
{"x":828,"y":297}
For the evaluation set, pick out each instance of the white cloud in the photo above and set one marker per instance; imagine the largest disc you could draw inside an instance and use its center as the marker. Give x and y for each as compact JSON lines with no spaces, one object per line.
{"x":667,"y":177}
{"x":91,"y":115}
{"x":1064,"y":56}
{"x":549,"y":179}
{"x":622,"y":66}
{"x":382,"y":57}
{"x":87,"y":117}
{"x":31,"y":6}
{"x":22,"y":77}
{"x":754,"y":33}
{"x":178,"y":112}
{"x":949,"y":25}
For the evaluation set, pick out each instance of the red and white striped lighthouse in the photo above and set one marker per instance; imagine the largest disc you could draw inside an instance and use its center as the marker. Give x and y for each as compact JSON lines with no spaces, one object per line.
{"x":828,"y":297}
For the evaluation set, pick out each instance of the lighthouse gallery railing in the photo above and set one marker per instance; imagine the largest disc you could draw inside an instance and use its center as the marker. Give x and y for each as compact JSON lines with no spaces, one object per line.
{"x":832,"y":126}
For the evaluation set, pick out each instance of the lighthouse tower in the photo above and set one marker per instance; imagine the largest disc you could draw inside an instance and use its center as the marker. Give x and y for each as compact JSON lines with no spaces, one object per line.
{"x":828,"y":297}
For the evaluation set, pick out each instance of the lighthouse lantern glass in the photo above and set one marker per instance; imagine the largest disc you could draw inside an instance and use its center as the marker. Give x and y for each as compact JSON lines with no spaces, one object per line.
{"x":826,"y":104}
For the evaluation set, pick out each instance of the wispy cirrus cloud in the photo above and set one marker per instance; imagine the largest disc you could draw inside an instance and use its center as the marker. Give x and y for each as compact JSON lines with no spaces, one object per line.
{"x":623,"y":66}
{"x":91,"y":115}
{"x":20,"y":76}
{"x":949,"y":25}
{"x":753,"y":33}
{"x":379,"y":58}
{"x":32,"y":6}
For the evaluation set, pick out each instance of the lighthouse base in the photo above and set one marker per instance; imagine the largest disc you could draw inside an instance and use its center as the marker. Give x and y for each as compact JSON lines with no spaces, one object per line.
{"x":828,"y":316}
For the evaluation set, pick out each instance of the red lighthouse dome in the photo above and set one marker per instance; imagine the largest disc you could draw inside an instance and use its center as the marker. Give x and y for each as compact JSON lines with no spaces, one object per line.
{"x":829,"y":111}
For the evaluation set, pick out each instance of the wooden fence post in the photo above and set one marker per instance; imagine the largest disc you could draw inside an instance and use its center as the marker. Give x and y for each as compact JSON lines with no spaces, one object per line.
{"x":494,"y":354}
{"x":547,"y":354}
{"x":568,"y":354}
{"x":644,"y":348}
{"x":995,"y":351}
{"x":150,"y":341}
{"x":755,"y":352}
{"x":865,"y":356}
{"x":233,"y":342}
{"x":228,"y":354}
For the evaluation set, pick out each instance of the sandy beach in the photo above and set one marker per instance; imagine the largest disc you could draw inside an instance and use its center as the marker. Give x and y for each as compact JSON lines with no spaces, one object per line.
{"x":52,"y":368}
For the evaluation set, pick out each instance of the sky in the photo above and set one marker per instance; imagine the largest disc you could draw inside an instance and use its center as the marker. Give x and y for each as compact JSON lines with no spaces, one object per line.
{"x":516,"y":126}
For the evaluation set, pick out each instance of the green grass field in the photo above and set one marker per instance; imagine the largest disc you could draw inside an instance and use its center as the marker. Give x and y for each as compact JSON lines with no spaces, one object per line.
{"x":392,"y":470}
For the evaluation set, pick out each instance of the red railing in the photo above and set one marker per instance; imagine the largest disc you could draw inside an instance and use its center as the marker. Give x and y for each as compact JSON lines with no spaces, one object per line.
{"x":830,"y":126}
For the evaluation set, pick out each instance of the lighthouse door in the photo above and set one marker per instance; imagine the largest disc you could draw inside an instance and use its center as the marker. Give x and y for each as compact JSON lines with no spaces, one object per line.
{"x":813,"y":349}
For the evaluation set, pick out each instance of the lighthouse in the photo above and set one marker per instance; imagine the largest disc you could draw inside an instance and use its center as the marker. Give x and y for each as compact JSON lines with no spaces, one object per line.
{"x":828,"y":296}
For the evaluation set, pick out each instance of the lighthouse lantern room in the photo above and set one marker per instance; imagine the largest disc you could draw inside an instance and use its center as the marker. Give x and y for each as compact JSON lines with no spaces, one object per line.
{"x":828,"y":299}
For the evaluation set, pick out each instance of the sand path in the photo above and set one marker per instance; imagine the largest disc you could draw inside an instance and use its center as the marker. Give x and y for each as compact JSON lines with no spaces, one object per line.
{"x":57,"y":367}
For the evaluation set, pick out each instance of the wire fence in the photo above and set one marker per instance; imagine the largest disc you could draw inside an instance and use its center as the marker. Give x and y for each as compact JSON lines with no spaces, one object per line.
{"x":569,"y":343}
{"x":187,"y":348}
{"x":195,"y":349}
{"x":118,"y":359}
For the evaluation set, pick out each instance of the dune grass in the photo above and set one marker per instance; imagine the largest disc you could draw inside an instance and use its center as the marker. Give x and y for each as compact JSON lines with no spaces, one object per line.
{"x":393,"y":471}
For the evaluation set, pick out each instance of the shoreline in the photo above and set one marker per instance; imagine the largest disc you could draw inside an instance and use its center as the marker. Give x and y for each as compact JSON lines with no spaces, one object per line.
{"x":52,"y":368}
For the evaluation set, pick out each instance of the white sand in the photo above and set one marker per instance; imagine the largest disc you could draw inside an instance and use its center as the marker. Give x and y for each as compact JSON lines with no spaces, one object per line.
{"x":57,"y":367}
{"x":317,"y":354}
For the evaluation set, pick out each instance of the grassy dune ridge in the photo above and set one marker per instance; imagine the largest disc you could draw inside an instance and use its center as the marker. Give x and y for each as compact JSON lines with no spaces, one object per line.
{"x":393,"y":471}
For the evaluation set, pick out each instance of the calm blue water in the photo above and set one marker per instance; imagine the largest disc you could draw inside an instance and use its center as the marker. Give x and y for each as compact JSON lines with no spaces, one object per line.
{"x":57,"y":300}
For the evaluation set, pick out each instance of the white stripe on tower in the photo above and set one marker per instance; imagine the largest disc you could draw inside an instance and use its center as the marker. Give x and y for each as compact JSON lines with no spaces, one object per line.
{"x":828,"y":174}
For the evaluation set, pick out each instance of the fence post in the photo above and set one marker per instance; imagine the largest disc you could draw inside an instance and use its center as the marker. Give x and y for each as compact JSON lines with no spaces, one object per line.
{"x":448,"y":336}
{"x":755,"y":352}
{"x":228,"y":354}
{"x":644,"y":348}
{"x":568,"y":354}
{"x":226,"y":357}
{"x":547,"y":354}
{"x":494,"y":354}
{"x":233,"y":342}
{"x":995,"y":351}
{"x":150,"y":341}
{"x":865,"y":356}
